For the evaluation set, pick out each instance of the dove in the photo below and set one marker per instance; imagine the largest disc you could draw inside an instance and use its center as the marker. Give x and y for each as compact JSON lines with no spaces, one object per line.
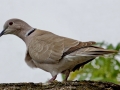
{"x":50,"y":52}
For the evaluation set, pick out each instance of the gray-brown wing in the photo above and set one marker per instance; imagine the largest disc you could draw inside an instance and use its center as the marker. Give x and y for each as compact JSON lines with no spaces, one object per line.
{"x":49,"y":48}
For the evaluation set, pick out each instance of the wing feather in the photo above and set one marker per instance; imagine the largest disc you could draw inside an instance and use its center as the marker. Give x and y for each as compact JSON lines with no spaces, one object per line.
{"x":49,"y":48}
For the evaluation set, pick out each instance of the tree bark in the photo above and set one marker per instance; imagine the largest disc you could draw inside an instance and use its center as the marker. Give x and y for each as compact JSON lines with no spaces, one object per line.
{"x":70,"y":85}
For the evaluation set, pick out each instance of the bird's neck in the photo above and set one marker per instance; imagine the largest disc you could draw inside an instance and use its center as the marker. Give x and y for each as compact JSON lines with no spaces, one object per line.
{"x":24,"y":33}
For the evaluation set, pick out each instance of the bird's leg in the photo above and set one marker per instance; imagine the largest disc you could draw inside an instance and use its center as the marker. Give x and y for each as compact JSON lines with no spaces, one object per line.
{"x":53,"y":78}
{"x":66,"y":73}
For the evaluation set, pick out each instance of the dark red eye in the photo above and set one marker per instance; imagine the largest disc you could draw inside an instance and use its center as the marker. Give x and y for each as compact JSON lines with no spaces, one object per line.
{"x":10,"y":23}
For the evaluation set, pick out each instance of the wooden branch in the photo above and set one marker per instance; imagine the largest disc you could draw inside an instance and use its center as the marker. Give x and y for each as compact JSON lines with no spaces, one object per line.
{"x":70,"y":85}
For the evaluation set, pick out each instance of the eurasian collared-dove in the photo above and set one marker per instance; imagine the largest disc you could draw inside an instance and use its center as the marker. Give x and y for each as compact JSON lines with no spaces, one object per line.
{"x":50,"y":52}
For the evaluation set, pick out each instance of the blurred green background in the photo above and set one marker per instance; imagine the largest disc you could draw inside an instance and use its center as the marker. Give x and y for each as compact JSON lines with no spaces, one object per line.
{"x":104,"y":68}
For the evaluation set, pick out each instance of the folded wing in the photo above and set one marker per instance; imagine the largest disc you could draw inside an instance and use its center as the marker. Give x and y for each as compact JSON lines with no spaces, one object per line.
{"x":50,"y":48}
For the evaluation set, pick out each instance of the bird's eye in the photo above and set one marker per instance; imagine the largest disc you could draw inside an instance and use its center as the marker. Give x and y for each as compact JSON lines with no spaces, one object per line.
{"x":10,"y":23}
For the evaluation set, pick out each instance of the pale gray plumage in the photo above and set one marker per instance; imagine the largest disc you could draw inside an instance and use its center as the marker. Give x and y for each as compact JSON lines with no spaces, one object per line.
{"x":50,"y":52}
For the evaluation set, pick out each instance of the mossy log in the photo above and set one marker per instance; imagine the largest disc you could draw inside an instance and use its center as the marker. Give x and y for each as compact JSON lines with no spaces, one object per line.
{"x":70,"y":85}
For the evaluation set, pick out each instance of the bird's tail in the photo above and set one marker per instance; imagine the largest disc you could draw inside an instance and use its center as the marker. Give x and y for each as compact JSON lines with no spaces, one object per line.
{"x":94,"y":51}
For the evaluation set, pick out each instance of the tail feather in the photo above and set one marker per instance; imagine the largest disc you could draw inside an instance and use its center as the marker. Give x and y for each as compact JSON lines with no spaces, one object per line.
{"x":94,"y":51}
{"x":101,"y":52}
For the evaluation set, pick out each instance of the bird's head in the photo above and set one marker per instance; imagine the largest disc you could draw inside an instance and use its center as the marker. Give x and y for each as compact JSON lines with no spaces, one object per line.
{"x":14,"y":26}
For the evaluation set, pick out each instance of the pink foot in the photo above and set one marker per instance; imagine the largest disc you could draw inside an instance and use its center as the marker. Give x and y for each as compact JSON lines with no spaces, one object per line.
{"x":53,"y":78}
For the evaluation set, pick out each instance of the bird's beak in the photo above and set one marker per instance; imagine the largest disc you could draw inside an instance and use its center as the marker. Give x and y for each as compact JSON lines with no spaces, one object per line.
{"x":2,"y":33}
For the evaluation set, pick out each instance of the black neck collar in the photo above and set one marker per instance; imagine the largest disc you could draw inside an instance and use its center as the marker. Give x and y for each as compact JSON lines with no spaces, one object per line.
{"x":31,"y":32}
